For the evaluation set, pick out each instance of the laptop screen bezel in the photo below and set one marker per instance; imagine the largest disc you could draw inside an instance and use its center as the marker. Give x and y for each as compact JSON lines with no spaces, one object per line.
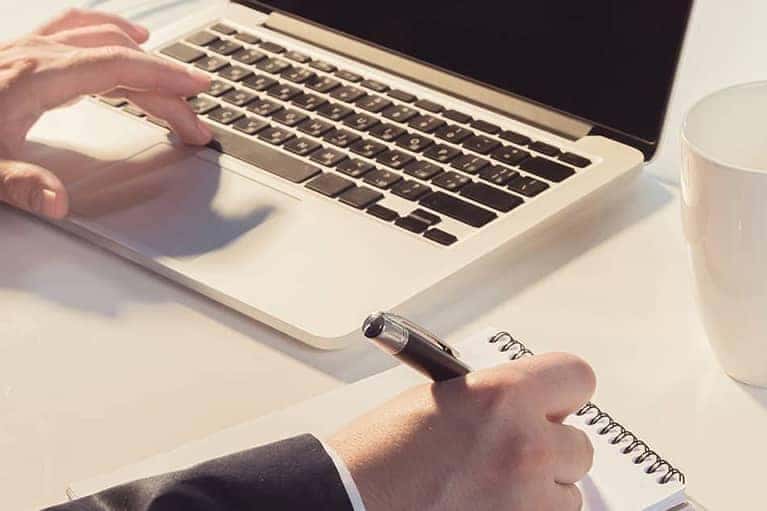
{"x":647,"y":147}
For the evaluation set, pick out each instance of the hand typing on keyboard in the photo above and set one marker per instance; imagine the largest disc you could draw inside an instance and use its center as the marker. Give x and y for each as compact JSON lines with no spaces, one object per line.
{"x":82,"y":53}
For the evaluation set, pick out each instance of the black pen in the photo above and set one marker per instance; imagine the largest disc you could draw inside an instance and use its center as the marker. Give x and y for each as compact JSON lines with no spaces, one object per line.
{"x":414,"y":346}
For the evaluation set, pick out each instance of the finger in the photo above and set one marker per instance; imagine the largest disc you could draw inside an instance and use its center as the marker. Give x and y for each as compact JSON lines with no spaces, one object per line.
{"x":97,"y":70}
{"x":564,"y":382}
{"x":567,"y":497}
{"x":95,"y":36}
{"x":33,"y":188}
{"x":77,"y":18}
{"x":175,"y":111}
{"x":574,"y":454}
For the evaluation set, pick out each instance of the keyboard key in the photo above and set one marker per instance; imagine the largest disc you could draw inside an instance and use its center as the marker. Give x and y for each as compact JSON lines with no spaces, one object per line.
{"x":184,"y":53}
{"x":469,"y":164}
{"x":367,"y":148}
{"x":451,"y":181}
{"x":219,"y":88}
{"x":247,"y":38}
{"x":354,"y":168}
{"x":480,"y":144}
{"x":422,"y":170}
{"x":315,"y":127}
{"x":361,"y":122}
{"x":328,"y":156}
{"x":348,"y":76}
{"x":297,"y":75}
{"x":118,"y":102}
{"x":322,"y":83}
{"x":248,"y":56}
{"x":259,"y":82}
{"x":211,"y":64}
{"x":264,"y":107}
{"x":403,"y":96}
{"x":442,"y":153}
{"x":515,"y":138}
{"x":457,"y":116}
{"x":341,"y":138}
{"x":491,"y":197}
{"x":454,"y":134}
{"x":289,"y":117}
{"x":400,"y":113}
{"x":458,"y":209}
{"x":547,"y":169}
{"x":497,"y":175}
{"x":426,"y":123}
{"x":381,"y":178}
{"x":360,"y":197}
{"x":544,"y":148}
{"x":329,"y":184}
{"x":429,"y":105}
{"x":373,"y":103}
{"x":297,"y":57}
{"x":199,"y":105}
{"x":262,"y":156}
{"x":223,"y":47}
{"x":410,"y":190}
{"x":441,"y":237}
{"x":394,"y":159}
{"x":273,"y":65}
{"x":383,"y":213}
{"x":485,"y":126}
{"x":250,"y":125}
{"x":158,"y":122}
{"x":375,"y":86}
{"x":235,"y":73}
{"x":334,"y":111}
{"x":309,"y":101}
{"x":429,"y":218}
{"x":203,"y":38}
{"x":225,"y":115}
{"x":527,"y":186}
{"x":414,"y":142}
{"x":274,"y":48}
{"x":387,"y":132}
{"x":323,"y":66}
{"x":223,"y":29}
{"x":284,"y":92}
{"x":412,"y":224}
{"x":276,"y":136}
{"x":347,"y":93}
{"x":302,"y":146}
{"x":238,"y":97}
{"x":134,"y":111}
{"x":575,"y":160}
{"x":510,"y":155}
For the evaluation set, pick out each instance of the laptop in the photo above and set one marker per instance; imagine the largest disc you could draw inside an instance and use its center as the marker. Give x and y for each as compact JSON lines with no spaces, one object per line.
{"x":365,"y":152}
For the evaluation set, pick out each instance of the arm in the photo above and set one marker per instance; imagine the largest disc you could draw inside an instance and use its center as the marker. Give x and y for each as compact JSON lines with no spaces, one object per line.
{"x":291,"y":475}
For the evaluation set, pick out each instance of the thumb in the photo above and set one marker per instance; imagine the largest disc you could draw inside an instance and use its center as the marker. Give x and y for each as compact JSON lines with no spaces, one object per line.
{"x":33,"y":189}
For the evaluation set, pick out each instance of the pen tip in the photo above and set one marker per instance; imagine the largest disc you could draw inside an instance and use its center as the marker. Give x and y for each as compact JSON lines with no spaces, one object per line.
{"x":373,"y":326}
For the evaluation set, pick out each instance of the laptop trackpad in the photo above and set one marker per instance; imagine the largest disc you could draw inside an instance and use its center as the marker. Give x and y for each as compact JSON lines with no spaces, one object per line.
{"x":165,"y":202}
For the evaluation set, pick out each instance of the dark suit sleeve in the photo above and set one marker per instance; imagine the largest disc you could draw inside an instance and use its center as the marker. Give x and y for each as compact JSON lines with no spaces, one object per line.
{"x":295,"y":474}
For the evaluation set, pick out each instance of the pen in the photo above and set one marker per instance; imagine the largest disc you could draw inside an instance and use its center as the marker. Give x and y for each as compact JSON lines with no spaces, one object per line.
{"x":414,"y":346}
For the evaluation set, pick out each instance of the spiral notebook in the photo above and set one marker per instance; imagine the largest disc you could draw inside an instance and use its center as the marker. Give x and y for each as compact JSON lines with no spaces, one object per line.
{"x":627,"y":474}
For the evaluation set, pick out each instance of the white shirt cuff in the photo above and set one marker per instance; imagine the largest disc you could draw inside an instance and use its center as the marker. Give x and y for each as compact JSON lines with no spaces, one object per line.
{"x":346,"y":478}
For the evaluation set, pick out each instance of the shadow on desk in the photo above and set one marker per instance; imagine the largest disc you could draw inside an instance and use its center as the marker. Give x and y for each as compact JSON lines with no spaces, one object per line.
{"x":108,"y":285}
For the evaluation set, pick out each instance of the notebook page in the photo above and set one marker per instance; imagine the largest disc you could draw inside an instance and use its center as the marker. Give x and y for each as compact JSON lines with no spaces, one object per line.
{"x":615,"y":482}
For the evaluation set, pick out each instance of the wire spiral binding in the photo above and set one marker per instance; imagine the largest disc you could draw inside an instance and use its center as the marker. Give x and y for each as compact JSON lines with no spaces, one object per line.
{"x":517,"y":349}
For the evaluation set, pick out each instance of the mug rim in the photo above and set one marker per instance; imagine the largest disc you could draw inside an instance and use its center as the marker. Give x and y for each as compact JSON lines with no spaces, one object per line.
{"x":706,"y":155}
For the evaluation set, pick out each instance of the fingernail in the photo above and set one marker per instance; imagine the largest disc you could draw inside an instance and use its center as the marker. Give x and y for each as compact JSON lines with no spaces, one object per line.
{"x":142,"y":31}
{"x":199,"y":78}
{"x":48,"y":203}
{"x":204,"y":130}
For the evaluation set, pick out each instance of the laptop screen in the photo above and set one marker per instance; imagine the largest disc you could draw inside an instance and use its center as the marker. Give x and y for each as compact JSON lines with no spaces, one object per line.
{"x":611,"y":62}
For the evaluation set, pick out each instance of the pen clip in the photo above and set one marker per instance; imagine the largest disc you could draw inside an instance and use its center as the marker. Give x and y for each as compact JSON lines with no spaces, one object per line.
{"x":428,"y":336}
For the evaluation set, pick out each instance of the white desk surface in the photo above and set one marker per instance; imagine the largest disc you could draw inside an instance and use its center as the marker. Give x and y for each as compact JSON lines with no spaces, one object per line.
{"x":103,"y":364}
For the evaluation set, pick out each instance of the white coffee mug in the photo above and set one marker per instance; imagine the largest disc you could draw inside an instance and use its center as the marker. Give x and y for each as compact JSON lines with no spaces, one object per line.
{"x":724,"y":210}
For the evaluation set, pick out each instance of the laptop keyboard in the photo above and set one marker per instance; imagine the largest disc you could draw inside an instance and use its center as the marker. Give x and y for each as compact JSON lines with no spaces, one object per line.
{"x":356,"y":140}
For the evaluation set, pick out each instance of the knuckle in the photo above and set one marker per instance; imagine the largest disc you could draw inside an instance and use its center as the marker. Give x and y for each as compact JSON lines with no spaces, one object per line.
{"x":74,"y":13}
